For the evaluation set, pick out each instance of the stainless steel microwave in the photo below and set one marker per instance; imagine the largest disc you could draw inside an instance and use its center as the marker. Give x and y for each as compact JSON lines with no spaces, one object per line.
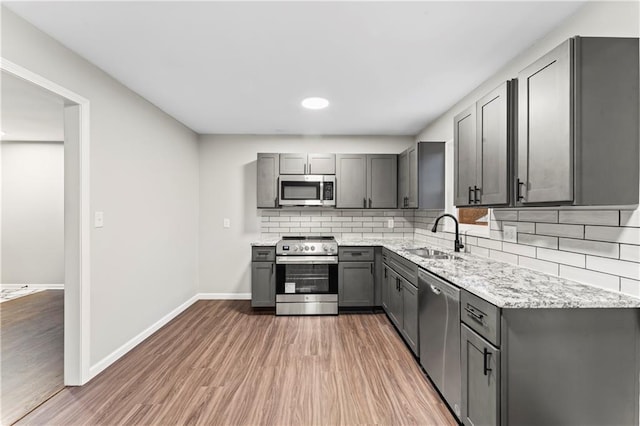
{"x":307,"y":190}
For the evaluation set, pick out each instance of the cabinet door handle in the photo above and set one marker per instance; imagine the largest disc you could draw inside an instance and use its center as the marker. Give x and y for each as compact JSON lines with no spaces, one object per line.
{"x":305,"y":169}
{"x":475,"y":194}
{"x":309,"y":168}
{"x":272,"y":269}
{"x":364,"y":203}
{"x":470,"y":196}
{"x":519,"y":195}
{"x":369,"y":202}
{"x":406,"y":201}
{"x":371,"y":266}
{"x":485,"y":360}
{"x":385,"y":272}
{"x":275,"y":202}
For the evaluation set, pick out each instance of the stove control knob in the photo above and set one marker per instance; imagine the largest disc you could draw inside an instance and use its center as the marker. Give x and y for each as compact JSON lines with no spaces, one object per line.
{"x":325,"y":247}
{"x":313,"y":248}
{"x":295,"y":248}
{"x":306,"y":248}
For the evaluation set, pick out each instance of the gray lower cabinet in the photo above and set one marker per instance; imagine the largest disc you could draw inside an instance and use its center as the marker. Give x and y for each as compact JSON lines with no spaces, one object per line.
{"x":480,"y":379}
{"x":356,"y":277}
{"x":366,"y":181}
{"x":548,"y":366}
{"x":263,"y":277}
{"x":578,"y":95}
{"x":263,"y":284}
{"x":410,"y":314}
{"x":400,"y":297}
{"x":268,"y":169}
{"x":355,"y":284}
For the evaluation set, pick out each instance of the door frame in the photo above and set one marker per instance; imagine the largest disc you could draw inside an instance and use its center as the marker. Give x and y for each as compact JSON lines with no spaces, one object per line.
{"x":77,"y":217}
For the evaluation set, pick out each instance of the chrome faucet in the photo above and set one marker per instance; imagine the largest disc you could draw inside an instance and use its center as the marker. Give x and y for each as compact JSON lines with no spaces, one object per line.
{"x":458,"y":242}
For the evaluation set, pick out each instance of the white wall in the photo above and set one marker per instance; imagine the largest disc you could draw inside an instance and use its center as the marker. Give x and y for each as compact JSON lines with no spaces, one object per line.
{"x":144,"y":176}
{"x":228,"y":190}
{"x":32,"y":203}
{"x":599,"y":247}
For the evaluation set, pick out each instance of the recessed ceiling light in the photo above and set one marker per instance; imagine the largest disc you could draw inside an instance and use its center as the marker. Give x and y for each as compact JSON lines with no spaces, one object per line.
{"x":315,"y":103}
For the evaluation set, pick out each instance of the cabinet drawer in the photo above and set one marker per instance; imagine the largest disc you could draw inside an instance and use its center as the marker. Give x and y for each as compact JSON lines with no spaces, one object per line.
{"x":481,"y":316}
{"x":355,"y":254}
{"x":259,"y":254}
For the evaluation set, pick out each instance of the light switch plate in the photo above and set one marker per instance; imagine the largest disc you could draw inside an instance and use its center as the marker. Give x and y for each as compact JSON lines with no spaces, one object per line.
{"x":226,"y":222}
{"x":510,"y":233}
{"x":98,"y":219}
{"x":390,"y":223}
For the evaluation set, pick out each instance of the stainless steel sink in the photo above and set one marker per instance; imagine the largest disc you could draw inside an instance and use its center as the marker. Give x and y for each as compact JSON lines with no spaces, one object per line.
{"x":428,"y":253}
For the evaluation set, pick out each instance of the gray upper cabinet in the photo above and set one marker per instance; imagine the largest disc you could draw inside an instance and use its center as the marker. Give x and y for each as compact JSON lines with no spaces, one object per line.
{"x":382,"y":183}
{"x":494,"y":127}
{"x":307,"y":164}
{"x":465,"y":158}
{"x":268,"y":166}
{"x":578,"y":127}
{"x":408,"y":178}
{"x":321,"y":164}
{"x":421,"y":176}
{"x":293,"y":164}
{"x":351,"y":181}
{"x":482,"y":150}
{"x":366,"y":180}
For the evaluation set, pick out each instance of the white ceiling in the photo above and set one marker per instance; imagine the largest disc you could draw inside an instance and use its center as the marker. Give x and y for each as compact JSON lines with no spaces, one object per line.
{"x":29,"y":112}
{"x":243,"y":67}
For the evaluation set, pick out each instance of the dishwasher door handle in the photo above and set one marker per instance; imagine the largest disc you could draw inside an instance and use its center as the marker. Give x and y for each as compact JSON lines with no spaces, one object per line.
{"x":435,"y":289}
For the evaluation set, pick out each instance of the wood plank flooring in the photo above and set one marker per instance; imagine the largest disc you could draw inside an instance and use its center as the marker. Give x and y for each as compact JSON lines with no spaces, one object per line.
{"x":31,"y":352}
{"x":221,"y":363}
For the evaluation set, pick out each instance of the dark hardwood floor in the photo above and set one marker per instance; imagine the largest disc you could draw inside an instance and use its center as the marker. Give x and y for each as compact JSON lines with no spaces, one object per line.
{"x":31,"y":352}
{"x":221,"y":363}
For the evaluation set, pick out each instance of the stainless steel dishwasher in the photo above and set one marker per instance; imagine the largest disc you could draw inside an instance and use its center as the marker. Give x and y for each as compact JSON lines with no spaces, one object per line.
{"x":439,"y":316}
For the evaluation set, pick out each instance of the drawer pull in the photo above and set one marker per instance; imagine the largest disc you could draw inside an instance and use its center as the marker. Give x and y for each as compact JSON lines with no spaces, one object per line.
{"x":475,"y":314}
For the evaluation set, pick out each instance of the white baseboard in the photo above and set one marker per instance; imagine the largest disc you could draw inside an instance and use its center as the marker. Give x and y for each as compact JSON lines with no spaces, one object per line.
{"x":122,"y":350}
{"x":33,"y":286}
{"x":224,"y":296}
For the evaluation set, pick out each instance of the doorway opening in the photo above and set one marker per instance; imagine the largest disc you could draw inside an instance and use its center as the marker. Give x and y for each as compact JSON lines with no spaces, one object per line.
{"x":45,"y":239}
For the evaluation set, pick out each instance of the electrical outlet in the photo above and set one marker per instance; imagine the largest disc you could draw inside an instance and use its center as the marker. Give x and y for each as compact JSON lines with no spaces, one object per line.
{"x":98,"y":219}
{"x":510,"y":233}
{"x":226,"y":223}
{"x":390,"y":223}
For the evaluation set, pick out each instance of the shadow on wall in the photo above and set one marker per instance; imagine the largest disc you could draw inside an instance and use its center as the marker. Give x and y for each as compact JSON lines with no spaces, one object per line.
{"x":251,"y":219}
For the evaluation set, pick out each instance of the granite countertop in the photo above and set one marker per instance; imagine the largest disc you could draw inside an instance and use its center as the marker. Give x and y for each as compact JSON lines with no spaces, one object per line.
{"x":503,"y":284}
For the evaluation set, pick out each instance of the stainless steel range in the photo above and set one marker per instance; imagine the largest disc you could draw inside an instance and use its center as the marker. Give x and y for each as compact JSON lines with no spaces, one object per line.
{"x":307,"y":276}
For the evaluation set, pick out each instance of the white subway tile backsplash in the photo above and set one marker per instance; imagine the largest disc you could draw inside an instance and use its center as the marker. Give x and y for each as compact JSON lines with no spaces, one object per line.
{"x":630,"y":218}
{"x":503,"y":256}
{"x":480,"y":251}
{"x":492,"y":244}
{"x":523,"y":227}
{"x":630,"y":253}
{"x":538,"y":265}
{"x":538,"y":240}
{"x":564,"y":257}
{"x":596,"y":248}
{"x":614,"y":267}
{"x":560,"y":230}
{"x":590,"y":217}
{"x":614,"y":234}
{"x":586,"y":276}
{"x":519,"y":249}
{"x":547,"y":216}
{"x":500,"y":214}
{"x":631,"y":287}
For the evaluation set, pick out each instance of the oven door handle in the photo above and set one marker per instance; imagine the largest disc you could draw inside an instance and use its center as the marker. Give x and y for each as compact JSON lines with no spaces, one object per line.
{"x":307,"y":260}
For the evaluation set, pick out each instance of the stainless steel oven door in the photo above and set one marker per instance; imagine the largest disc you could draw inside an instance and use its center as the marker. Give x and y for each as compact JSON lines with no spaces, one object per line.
{"x":306,"y":275}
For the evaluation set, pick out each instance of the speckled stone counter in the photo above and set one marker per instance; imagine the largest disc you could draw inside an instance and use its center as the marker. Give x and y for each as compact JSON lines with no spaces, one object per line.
{"x":503,"y":284}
